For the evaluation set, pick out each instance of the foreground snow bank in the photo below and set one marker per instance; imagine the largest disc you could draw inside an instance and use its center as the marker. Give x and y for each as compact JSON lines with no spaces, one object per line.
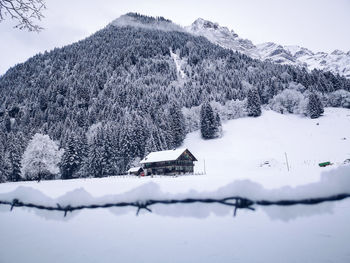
{"x":333,"y":182}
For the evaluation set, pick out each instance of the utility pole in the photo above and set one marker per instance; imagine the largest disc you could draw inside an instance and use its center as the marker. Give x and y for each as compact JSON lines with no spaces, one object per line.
{"x":285,"y":154}
{"x":204,"y":167}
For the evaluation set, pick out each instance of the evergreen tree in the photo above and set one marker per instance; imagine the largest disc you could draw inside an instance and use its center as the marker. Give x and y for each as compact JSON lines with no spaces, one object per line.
{"x":94,"y":161}
{"x":72,"y":158}
{"x":109,"y":152}
{"x":15,"y":164}
{"x":13,"y":156}
{"x":3,"y":170}
{"x":209,"y":122}
{"x":128,"y":148}
{"x":3,"y":166}
{"x":314,"y":106}
{"x":105,"y":156}
{"x":218,"y":125}
{"x":3,"y":177}
{"x":7,"y":123}
{"x":253,"y":103}
{"x":15,"y":161}
{"x":176,"y":126}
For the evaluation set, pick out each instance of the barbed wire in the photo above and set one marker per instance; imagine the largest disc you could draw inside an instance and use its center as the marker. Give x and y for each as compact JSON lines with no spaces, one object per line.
{"x":235,"y":202}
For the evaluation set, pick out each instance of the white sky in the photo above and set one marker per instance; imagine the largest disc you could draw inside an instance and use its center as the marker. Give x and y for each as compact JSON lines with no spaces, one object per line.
{"x":320,"y":25}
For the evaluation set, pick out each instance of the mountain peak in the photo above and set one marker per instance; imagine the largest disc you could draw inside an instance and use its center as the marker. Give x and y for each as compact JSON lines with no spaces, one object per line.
{"x":298,"y":51}
{"x":220,"y":35}
{"x":200,"y":22}
{"x":143,"y":21}
{"x":147,"y":19}
{"x":338,"y":52}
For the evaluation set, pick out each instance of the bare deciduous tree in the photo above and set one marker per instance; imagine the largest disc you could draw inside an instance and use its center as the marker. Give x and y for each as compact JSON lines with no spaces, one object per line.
{"x":25,"y":12}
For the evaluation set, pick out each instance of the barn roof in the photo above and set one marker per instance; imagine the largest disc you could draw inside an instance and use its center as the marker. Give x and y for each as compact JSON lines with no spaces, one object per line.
{"x":162,"y":156}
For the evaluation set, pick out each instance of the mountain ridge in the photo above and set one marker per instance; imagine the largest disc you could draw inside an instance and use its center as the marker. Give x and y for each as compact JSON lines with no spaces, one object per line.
{"x":337,"y":62}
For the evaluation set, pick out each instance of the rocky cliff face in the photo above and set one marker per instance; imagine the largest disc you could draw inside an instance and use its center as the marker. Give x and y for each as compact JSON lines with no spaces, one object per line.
{"x":338,"y":62}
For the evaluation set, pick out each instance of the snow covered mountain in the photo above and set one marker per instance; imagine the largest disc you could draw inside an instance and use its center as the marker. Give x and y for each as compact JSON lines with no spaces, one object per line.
{"x":141,"y":81}
{"x":222,"y":36}
{"x":337,"y":62}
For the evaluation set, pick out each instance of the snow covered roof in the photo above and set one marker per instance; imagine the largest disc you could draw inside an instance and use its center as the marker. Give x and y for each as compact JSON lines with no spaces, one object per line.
{"x":162,"y":156}
{"x":134,"y":169}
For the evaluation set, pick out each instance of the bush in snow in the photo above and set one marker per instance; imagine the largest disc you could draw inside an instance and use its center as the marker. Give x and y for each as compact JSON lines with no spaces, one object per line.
{"x":191,"y":116}
{"x":339,"y":98}
{"x":41,"y":158}
{"x":288,"y":101}
{"x":232,"y":109}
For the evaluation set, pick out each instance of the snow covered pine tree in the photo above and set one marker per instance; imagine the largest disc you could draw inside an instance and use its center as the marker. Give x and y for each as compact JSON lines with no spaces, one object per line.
{"x":176,"y":125}
{"x":14,"y":159}
{"x":314,"y":106}
{"x":72,"y":158}
{"x":218,"y":125}
{"x":253,"y":103}
{"x":210,"y":124}
{"x":3,"y":172}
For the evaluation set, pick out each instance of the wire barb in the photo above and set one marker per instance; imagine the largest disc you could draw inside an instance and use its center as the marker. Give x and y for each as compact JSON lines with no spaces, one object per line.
{"x":15,"y":202}
{"x":141,"y":205}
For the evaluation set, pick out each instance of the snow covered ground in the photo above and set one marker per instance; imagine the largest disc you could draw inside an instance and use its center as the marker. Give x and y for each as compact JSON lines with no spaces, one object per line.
{"x":248,"y":160}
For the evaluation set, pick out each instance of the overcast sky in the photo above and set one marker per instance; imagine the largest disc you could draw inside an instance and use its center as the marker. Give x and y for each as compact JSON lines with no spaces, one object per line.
{"x":320,"y":25}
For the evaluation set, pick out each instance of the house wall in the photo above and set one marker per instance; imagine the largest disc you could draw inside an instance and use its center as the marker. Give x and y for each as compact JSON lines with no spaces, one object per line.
{"x":169,"y":168}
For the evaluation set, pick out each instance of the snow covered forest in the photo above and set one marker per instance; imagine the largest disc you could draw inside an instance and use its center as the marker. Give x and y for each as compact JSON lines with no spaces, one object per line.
{"x":99,"y":105}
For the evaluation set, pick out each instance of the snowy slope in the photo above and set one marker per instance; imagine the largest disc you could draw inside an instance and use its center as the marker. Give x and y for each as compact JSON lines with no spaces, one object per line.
{"x":241,"y":153}
{"x":248,"y":143}
{"x":337,"y":62}
{"x":201,"y":233}
{"x":178,"y":63}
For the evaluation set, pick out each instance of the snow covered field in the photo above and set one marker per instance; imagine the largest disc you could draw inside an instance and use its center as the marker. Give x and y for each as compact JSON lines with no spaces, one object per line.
{"x":248,"y":160}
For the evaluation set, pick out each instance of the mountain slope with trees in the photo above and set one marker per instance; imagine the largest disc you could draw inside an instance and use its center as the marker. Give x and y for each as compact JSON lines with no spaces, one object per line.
{"x":117,"y":94}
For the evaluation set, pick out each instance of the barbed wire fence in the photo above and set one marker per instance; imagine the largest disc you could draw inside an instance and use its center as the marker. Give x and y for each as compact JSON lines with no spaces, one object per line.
{"x":236,"y":202}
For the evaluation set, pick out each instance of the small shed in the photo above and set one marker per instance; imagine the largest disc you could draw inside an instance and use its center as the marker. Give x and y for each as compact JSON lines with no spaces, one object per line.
{"x":171,"y":162}
{"x":135,"y":171}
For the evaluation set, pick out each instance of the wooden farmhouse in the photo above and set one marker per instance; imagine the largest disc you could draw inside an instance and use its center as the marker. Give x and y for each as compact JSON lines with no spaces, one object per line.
{"x":172,"y":162}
